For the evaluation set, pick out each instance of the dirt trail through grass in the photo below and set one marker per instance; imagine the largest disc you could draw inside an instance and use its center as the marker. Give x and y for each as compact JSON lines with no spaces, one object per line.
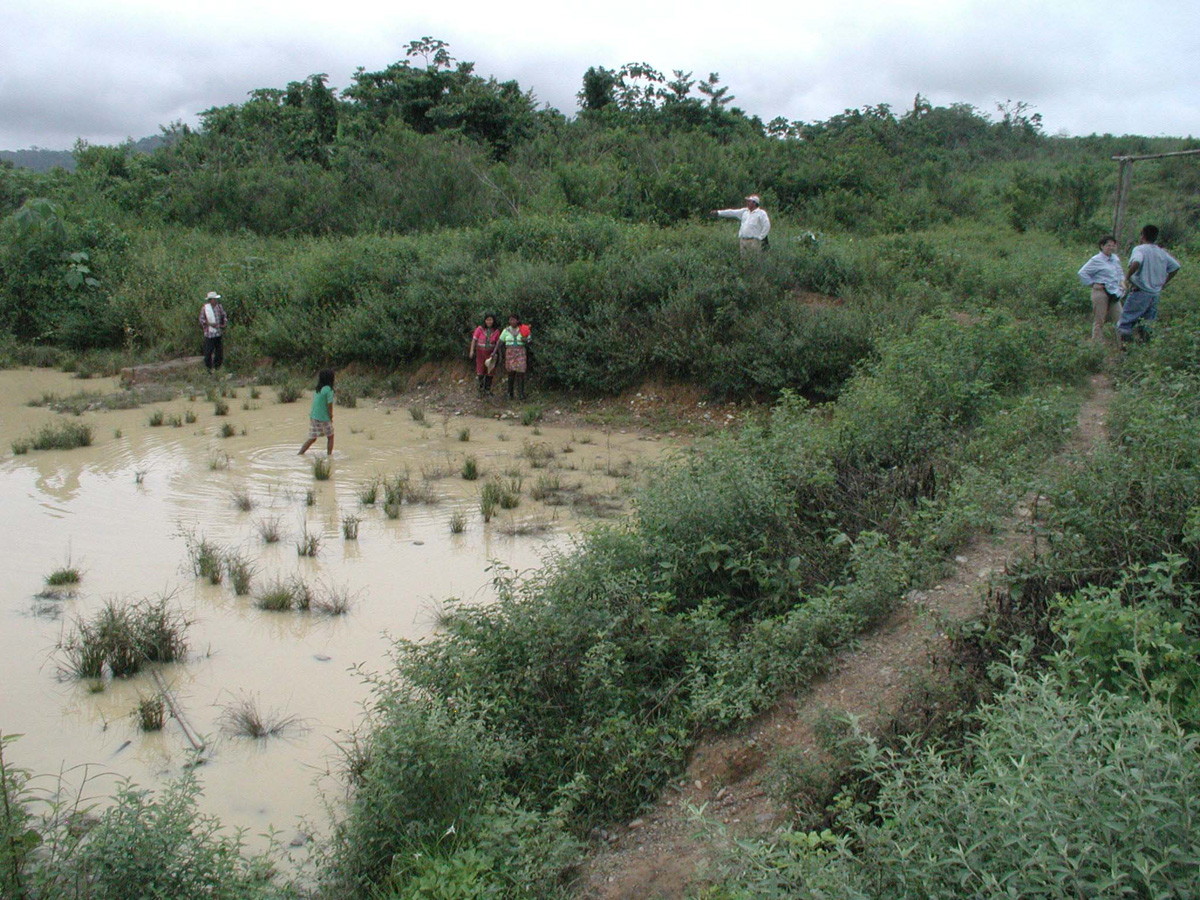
{"x":667,"y":852}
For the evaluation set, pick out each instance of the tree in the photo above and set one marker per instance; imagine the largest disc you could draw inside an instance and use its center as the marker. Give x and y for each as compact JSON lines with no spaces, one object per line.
{"x":599,"y":89}
{"x":718,"y":97}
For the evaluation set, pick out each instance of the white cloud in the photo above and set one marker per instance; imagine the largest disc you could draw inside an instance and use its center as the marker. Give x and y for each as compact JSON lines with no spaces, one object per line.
{"x":73,"y":68}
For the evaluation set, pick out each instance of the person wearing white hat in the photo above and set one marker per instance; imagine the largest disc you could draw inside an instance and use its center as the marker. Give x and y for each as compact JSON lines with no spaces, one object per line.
{"x":212,"y":322}
{"x":756,"y":225}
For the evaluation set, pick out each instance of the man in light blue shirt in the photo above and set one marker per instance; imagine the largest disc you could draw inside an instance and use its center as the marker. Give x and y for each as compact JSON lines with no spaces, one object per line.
{"x":1151,"y":268}
{"x":1103,"y":273}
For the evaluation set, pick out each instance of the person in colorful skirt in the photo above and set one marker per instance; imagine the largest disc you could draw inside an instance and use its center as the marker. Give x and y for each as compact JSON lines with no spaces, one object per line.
{"x":483,"y":345}
{"x":515,"y":341}
{"x":320,"y":418}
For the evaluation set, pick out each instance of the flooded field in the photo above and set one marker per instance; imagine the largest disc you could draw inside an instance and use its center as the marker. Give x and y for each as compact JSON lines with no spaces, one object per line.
{"x":126,"y":509}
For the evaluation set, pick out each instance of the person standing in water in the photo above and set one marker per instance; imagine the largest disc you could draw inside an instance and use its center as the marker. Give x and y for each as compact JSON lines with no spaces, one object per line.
{"x":320,"y":418}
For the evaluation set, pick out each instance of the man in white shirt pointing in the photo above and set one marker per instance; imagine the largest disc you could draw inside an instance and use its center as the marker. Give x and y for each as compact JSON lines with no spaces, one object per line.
{"x":752,"y":234}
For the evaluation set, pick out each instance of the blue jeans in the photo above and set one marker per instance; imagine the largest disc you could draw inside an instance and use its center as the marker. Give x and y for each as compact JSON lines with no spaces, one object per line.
{"x":1141,"y":307}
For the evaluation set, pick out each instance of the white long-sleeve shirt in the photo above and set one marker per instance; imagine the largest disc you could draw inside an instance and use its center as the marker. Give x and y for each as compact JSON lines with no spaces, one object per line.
{"x":755,"y":223}
{"x":1105,"y":270}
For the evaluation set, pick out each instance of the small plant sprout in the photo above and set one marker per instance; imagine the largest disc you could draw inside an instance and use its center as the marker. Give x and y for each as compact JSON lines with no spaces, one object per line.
{"x":269,"y":530}
{"x":310,"y":497}
{"x":322,"y":466}
{"x":139,"y":476}
{"x":350,"y":527}
{"x":464,"y":434}
{"x":220,"y":408}
{"x":458,"y":522}
{"x":150,"y":712}
{"x":243,"y":501}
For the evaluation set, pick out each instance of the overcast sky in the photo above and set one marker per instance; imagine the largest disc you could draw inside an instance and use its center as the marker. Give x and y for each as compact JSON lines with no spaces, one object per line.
{"x":118,"y":69}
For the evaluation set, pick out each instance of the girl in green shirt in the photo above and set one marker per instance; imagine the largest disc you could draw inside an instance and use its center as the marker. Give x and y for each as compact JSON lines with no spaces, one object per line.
{"x":320,"y":419}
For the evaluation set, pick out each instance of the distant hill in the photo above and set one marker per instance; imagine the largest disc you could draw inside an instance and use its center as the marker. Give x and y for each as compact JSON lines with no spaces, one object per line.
{"x":42,"y":160}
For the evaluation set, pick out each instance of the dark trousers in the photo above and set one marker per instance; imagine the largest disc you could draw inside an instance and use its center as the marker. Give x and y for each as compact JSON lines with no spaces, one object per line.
{"x":214,"y":352}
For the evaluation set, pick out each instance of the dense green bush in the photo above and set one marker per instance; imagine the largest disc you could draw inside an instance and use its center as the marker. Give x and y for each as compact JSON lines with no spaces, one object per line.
{"x":1055,"y":796}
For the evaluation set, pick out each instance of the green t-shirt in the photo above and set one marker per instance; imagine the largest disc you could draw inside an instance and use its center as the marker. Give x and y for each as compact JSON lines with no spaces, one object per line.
{"x":322,"y":400}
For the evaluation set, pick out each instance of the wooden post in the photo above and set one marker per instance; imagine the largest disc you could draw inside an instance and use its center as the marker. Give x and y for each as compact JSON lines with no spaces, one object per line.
{"x":1124,"y":177}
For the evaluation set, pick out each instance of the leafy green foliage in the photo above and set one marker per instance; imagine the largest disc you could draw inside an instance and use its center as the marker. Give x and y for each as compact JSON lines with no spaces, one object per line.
{"x":1102,"y":807}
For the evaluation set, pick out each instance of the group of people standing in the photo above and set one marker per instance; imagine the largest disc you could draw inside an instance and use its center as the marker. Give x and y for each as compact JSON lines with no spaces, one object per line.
{"x":507,"y":350}
{"x":1129,"y":298}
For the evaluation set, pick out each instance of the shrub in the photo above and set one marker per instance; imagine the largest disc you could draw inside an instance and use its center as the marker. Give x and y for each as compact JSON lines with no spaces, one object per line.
{"x":1054,"y":798}
{"x":163,"y":840}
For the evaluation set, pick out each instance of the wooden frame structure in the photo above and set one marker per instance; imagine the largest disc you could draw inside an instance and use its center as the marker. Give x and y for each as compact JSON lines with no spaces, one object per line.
{"x":1125,"y":178}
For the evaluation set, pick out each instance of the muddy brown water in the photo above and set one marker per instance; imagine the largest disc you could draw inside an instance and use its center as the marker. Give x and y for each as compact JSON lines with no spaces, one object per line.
{"x":122,"y":509}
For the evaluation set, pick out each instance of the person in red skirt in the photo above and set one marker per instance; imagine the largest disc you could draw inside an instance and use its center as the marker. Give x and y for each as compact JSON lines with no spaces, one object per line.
{"x":483,"y":345}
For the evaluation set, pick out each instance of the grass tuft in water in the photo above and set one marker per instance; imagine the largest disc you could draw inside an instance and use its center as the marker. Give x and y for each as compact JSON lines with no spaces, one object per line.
{"x":245,"y":718}
{"x":464,"y":434}
{"x":189,"y":416}
{"x":309,"y":544}
{"x":218,"y":461}
{"x":241,"y":572}
{"x":269,"y":530}
{"x":278,"y":596}
{"x":61,"y":435}
{"x":243,"y":501}
{"x":156,"y":418}
{"x":288,"y":393}
{"x":322,"y":466}
{"x":369,"y":492}
{"x":310,"y":497}
{"x":391,"y":509}
{"x":66,"y":576}
{"x":150,"y":712}
{"x":220,"y":408}
{"x":227,"y":430}
{"x":470,"y":469}
{"x":418,"y":414}
{"x":331,"y":600}
{"x":123,"y":637}
{"x":206,"y":558}
{"x":458,"y":522}
{"x":350,"y":527}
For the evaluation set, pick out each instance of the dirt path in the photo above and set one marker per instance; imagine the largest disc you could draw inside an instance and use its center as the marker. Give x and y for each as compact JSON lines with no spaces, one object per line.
{"x":663,"y":854}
